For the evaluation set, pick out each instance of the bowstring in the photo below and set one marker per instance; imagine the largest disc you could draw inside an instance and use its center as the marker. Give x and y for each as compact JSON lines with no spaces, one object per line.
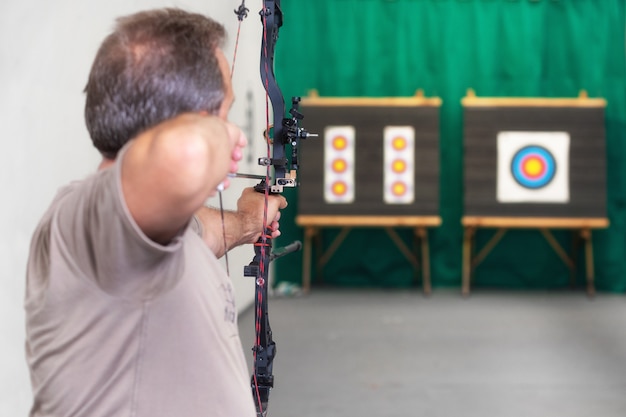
{"x":219,"y":192}
{"x":241,"y":12}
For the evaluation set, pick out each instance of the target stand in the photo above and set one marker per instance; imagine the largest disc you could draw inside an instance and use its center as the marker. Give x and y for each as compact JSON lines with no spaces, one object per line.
{"x":375,"y":165}
{"x":533,"y":163}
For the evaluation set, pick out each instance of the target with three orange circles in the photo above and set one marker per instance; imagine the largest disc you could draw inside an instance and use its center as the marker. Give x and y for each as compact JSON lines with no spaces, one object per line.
{"x":399,"y":162}
{"x":339,"y":144}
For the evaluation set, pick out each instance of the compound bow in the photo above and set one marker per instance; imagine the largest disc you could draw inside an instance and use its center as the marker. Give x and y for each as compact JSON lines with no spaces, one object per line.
{"x":286,"y":131}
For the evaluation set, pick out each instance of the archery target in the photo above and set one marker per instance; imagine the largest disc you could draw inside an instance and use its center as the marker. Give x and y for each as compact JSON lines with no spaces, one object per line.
{"x":339,"y":164}
{"x":399,"y":164}
{"x":533,"y":167}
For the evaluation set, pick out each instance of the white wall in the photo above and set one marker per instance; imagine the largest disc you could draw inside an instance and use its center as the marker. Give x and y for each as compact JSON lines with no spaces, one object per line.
{"x":46,"y":49}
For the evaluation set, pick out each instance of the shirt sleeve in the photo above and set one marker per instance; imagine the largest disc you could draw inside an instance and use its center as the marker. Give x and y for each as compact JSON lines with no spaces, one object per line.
{"x":107,"y":245}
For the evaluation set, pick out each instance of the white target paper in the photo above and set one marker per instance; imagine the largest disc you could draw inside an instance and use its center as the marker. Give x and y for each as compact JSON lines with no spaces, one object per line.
{"x":339,"y":149}
{"x":533,"y":167}
{"x":399,"y":160}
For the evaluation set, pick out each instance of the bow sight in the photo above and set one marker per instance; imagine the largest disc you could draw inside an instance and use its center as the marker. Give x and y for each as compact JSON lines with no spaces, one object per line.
{"x":285,"y":170}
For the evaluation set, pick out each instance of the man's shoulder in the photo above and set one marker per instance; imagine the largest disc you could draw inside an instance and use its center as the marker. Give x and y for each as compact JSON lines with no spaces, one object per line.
{"x":73,"y":200}
{"x":82,"y":186}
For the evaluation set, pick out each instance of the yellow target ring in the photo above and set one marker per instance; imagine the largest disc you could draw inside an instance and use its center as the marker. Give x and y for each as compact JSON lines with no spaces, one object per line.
{"x":339,"y":188}
{"x":398,"y":166}
{"x":339,"y":165}
{"x":398,"y":143}
{"x":398,"y":188}
{"x":340,"y":143}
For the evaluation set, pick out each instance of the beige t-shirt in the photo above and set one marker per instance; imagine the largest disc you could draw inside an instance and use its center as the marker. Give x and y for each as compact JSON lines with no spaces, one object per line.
{"x":118,"y":325}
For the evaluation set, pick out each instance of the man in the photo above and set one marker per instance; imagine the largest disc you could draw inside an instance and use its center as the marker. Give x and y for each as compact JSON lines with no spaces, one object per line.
{"x":129,"y":312}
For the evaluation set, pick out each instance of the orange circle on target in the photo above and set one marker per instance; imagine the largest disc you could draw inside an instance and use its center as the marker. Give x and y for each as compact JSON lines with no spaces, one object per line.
{"x":398,"y":143}
{"x":398,"y":188}
{"x":340,"y":143}
{"x":339,"y":188}
{"x":340,"y":165}
{"x":398,"y":166}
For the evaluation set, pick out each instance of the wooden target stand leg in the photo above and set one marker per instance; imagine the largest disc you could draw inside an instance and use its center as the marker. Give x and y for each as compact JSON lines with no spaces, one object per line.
{"x":468,"y":238}
{"x":315,"y":257}
{"x":422,"y":235}
{"x":570,"y":261}
{"x":310,"y":232}
{"x":584,"y":235}
{"x":567,"y":260}
{"x":421,"y":241}
{"x":410,"y":256}
{"x":470,"y":262}
{"x":589,"y":262}
{"x":325,"y":257}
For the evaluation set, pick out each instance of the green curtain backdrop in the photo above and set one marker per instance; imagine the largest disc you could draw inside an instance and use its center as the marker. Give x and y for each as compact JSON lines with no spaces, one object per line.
{"x":546,"y":48}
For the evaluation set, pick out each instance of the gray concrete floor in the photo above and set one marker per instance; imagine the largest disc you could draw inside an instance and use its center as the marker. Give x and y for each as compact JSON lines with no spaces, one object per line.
{"x":495,"y":354}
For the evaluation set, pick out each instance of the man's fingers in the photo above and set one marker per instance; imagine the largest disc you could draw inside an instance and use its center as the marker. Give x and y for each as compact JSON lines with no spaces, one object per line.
{"x":275,"y":229}
{"x":283,"y":202}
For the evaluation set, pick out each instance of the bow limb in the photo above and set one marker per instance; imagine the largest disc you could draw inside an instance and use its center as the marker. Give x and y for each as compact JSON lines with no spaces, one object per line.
{"x":272,"y":18}
{"x":286,"y":129}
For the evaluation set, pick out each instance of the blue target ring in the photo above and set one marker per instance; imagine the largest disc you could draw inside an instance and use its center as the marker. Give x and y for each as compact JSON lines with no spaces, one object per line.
{"x":533,"y":167}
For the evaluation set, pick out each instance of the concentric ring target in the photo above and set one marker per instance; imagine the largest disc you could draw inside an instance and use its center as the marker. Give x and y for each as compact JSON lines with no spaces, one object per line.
{"x":533,"y":167}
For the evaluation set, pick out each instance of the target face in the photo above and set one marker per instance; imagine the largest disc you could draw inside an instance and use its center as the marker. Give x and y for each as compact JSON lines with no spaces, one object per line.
{"x":527,"y":167}
{"x":399,"y":163}
{"x":339,"y":146}
{"x":533,"y":167}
